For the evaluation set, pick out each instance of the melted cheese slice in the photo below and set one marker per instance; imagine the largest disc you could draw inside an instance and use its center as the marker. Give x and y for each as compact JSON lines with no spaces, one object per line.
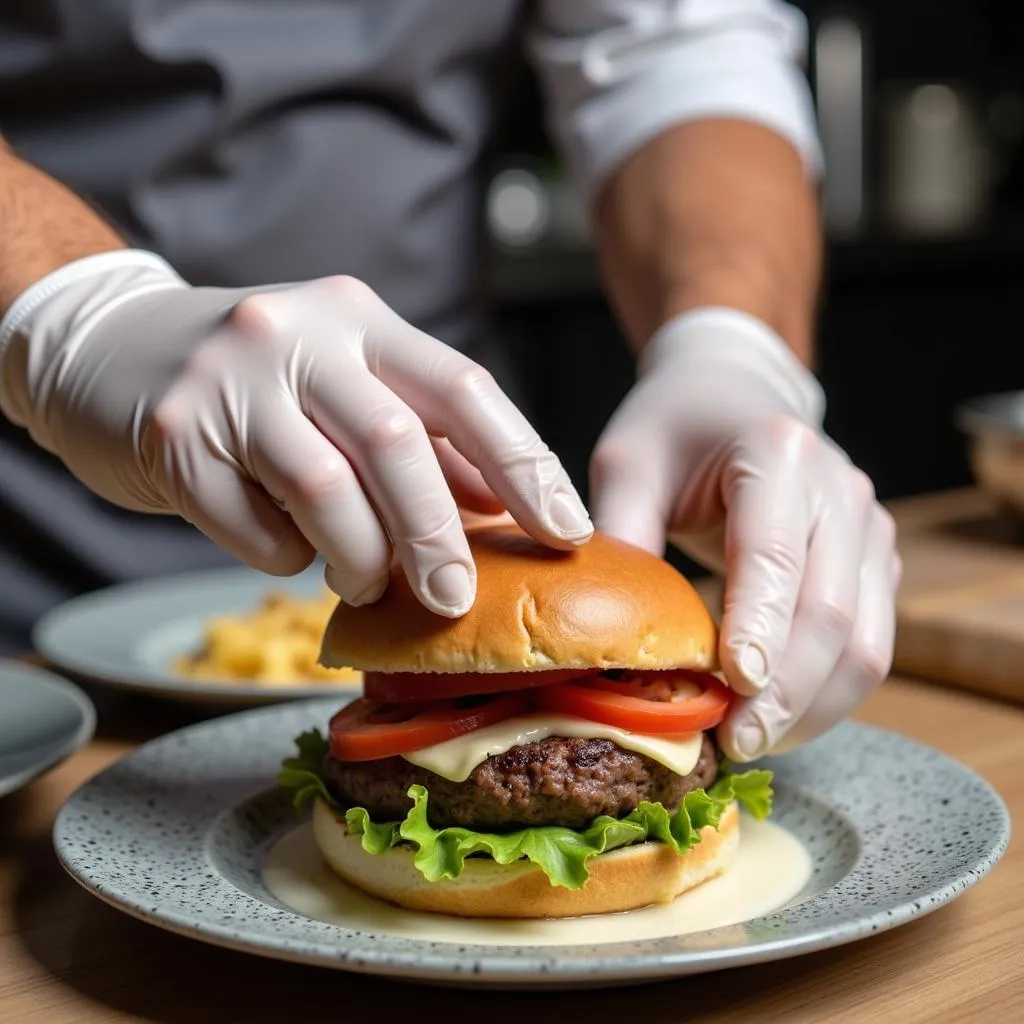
{"x":455,"y":759}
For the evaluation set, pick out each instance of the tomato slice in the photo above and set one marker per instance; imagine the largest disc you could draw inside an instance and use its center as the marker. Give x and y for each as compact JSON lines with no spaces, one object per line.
{"x":400,"y":687}
{"x":367,"y":731}
{"x":650,"y":703}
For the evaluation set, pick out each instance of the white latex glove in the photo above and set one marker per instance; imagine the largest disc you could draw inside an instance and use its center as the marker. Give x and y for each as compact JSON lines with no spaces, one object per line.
{"x":279,"y":421}
{"x":719,"y":446}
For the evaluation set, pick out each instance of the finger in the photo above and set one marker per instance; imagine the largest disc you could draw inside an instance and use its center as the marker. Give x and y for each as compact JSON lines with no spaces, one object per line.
{"x":383,"y":439}
{"x":468,"y":487}
{"x":396,"y":463}
{"x":822,"y":625}
{"x":237,"y":515}
{"x":630,"y":487}
{"x":458,"y":399}
{"x":767,"y":529}
{"x":320,"y":490}
{"x":627,"y":504}
{"x":867,"y":659}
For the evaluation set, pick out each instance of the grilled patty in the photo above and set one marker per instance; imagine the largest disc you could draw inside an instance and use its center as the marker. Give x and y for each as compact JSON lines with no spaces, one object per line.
{"x":558,"y":781}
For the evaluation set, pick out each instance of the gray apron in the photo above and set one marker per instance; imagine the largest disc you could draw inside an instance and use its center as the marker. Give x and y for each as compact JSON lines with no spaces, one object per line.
{"x":249,"y":142}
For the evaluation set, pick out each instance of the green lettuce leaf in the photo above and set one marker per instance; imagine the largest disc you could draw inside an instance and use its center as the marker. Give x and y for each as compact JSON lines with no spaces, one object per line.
{"x":303,"y":774}
{"x":376,"y":838}
{"x":561,"y":853}
{"x":751,"y":789}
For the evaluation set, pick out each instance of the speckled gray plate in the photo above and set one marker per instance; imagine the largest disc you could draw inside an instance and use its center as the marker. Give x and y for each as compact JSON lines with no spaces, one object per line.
{"x":43,"y":720}
{"x":129,"y":635}
{"x":175,"y":834}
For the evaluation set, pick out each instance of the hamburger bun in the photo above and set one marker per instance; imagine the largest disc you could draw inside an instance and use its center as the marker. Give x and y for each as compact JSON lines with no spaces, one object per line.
{"x":606,"y":604}
{"x":624,"y":879}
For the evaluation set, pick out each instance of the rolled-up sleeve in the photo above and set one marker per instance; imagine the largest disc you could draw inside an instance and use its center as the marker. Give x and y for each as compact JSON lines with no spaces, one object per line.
{"x":616,"y":73}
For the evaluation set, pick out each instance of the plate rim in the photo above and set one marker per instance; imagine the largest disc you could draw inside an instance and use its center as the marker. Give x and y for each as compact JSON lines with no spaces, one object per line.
{"x":85,"y":732}
{"x":143,"y":679}
{"x":495,"y":965}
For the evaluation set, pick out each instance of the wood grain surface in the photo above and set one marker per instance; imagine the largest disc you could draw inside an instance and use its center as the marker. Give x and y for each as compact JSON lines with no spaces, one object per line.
{"x":960,"y":608}
{"x":66,"y":958}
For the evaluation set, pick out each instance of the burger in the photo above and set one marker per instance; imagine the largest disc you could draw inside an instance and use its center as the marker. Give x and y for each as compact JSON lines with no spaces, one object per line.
{"x":549,"y":754}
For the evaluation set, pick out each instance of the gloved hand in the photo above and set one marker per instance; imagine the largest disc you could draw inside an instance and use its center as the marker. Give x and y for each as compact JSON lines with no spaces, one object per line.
{"x":719,"y":446}
{"x":278,"y":421}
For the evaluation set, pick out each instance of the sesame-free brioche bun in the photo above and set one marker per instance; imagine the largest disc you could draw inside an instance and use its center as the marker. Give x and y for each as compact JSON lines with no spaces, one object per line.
{"x":624,"y":879}
{"x":605,"y":604}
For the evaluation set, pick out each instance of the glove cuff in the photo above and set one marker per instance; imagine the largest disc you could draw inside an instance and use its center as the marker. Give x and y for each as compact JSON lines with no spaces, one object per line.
{"x":44,"y":289}
{"x":733,"y":338}
{"x":53,"y":313}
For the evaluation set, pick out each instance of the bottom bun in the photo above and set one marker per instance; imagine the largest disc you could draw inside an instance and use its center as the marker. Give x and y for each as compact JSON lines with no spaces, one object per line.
{"x":625,"y":879}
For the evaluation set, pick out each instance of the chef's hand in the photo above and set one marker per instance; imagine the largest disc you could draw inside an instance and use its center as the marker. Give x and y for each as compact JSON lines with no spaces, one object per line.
{"x":719,"y":446}
{"x":279,"y":421}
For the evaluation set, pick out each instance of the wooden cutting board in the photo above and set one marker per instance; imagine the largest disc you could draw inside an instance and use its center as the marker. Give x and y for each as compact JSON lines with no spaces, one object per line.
{"x":960,"y":609}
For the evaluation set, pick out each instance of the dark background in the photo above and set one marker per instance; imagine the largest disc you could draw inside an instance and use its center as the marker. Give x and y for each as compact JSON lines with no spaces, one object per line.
{"x":912,"y":322}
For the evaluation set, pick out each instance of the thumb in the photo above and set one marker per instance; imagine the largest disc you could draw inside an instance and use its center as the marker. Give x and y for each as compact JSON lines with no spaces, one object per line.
{"x":630,"y":490}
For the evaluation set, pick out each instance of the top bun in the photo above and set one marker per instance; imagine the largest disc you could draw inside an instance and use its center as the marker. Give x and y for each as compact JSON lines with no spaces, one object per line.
{"x":605,"y":604}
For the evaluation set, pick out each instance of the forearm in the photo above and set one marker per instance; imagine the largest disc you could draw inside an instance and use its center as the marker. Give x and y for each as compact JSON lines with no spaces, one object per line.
{"x":43,"y":226}
{"x":712,"y":213}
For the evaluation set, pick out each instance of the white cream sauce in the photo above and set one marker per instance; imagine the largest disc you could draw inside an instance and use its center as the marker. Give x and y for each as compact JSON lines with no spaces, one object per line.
{"x":455,"y":759}
{"x":770,"y":869}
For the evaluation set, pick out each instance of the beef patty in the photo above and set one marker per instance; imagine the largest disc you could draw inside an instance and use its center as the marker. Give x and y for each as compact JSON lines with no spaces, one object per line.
{"x":557,"y":781}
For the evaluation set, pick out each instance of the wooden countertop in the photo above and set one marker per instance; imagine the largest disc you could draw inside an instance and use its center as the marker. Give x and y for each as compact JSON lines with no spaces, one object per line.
{"x":66,"y":958}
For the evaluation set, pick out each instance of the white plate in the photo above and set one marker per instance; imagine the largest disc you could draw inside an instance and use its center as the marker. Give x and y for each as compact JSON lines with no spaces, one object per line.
{"x":43,"y":720}
{"x":128,"y":636}
{"x":178,"y":832}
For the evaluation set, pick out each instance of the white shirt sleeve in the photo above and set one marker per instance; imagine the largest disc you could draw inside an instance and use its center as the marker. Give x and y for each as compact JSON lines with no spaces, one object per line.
{"x":618,"y":72}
